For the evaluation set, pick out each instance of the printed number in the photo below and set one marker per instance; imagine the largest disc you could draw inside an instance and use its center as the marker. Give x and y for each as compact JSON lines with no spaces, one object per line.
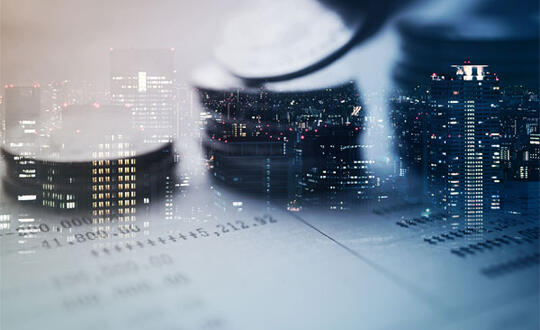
{"x":202,"y":232}
{"x":56,"y":243}
{"x":91,"y":236}
{"x":44,"y":228}
{"x":80,"y":238}
{"x":160,"y":260}
{"x":270,"y":219}
{"x":223,"y":229}
{"x":232,"y":226}
{"x":242,"y":224}
{"x":260,"y":220}
{"x":46,"y":245}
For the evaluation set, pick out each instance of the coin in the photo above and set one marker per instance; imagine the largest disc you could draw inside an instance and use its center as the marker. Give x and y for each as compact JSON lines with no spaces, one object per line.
{"x":275,"y":140}
{"x":429,"y":47}
{"x":281,"y":39}
{"x":80,"y":136}
{"x":92,"y":150}
{"x":65,"y":155}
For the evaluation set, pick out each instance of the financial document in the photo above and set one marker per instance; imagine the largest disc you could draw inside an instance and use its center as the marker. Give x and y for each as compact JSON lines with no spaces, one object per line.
{"x":228,"y":262}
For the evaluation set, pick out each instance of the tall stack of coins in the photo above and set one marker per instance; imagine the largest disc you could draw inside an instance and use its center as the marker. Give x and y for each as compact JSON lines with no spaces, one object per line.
{"x":283,"y":116}
{"x":297,"y":140}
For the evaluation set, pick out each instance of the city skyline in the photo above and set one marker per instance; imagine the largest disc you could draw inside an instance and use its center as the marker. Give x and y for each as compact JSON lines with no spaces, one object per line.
{"x":131,"y":82}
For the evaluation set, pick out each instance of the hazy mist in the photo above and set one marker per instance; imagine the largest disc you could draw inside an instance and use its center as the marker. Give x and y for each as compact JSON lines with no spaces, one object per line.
{"x":50,"y":40}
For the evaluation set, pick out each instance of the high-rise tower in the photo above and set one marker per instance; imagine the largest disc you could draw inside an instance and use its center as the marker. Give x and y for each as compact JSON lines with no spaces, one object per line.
{"x":22,"y":112}
{"x":464,"y":170}
{"x":143,"y":81}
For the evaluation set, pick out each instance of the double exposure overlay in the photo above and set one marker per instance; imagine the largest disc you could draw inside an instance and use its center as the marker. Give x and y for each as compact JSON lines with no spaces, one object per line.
{"x":306,"y":164}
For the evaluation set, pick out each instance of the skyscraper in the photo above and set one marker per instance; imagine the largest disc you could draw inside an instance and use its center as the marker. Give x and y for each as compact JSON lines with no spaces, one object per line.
{"x":22,"y":112}
{"x":2,"y":119}
{"x":410,"y":117}
{"x":303,"y":146}
{"x":113,"y":181}
{"x":143,"y":81}
{"x":464,"y":170}
{"x":520,"y":146}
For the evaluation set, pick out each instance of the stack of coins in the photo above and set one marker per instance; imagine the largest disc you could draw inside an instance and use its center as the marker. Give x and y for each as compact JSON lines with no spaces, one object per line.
{"x":298,"y":140}
{"x":493,"y":33}
{"x":283,"y":116}
{"x":94,"y":158}
{"x":297,"y":38}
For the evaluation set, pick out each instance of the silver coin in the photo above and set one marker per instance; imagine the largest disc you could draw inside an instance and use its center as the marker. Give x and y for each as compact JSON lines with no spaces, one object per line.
{"x":212,"y":77}
{"x":510,"y":49}
{"x":280,"y":38}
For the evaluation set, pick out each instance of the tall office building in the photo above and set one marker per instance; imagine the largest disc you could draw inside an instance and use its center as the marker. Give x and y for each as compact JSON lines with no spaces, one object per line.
{"x":143,"y":81}
{"x":410,"y":116}
{"x":464,"y":171}
{"x":333,"y":169}
{"x":56,"y":96}
{"x":303,"y":146}
{"x":125,"y":176}
{"x":114,"y":176}
{"x":520,"y":143}
{"x":124,"y":182}
{"x":22,"y":112}
{"x":2,"y":119}
{"x":246,"y":142}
